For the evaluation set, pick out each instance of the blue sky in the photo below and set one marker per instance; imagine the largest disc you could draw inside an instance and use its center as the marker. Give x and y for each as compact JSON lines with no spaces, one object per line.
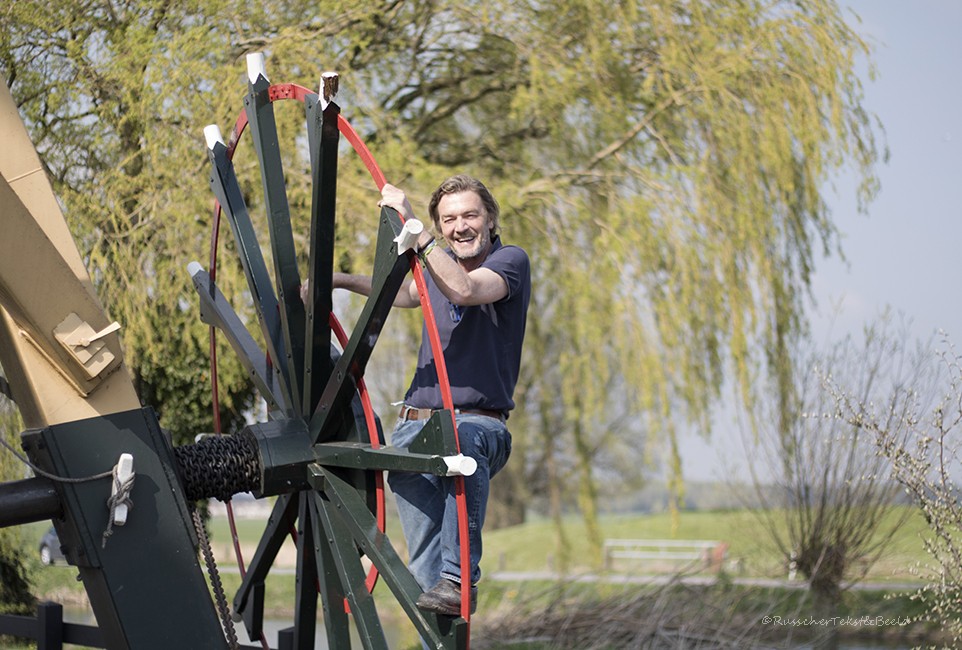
{"x":907,"y":253}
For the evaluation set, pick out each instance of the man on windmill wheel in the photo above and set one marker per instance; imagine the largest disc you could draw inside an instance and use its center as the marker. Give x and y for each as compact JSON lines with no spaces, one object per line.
{"x":479,"y":288}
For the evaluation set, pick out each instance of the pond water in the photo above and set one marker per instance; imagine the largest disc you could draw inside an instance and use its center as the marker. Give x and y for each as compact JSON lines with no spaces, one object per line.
{"x":397,"y":636}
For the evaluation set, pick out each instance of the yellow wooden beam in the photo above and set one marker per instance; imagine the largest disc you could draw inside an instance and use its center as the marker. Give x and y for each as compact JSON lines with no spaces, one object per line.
{"x":58,"y":349}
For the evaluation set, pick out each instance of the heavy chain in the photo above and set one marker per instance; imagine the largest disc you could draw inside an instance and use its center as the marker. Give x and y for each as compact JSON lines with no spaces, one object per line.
{"x":220,"y":599}
{"x":219,"y":467}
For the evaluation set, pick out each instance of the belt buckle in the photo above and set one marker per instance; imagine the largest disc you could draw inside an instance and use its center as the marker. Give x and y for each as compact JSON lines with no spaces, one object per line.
{"x":407,"y":411}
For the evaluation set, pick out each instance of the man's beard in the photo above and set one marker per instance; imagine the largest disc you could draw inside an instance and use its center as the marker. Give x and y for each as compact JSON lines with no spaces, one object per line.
{"x":482,"y":241}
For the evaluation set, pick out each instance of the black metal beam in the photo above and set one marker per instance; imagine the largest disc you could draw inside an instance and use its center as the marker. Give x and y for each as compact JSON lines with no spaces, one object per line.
{"x":147,"y":574}
{"x":279,"y":524}
{"x":389,"y":271}
{"x":260,"y":118}
{"x":438,"y":631}
{"x":332,"y":590}
{"x":29,"y":500}
{"x":360,"y":455}
{"x":323,"y":137}
{"x":305,"y":597}
{"x":348,"y":565}
{"x":49,"y":630}
{"x":216,"y":310}
{"x":224,"y":184}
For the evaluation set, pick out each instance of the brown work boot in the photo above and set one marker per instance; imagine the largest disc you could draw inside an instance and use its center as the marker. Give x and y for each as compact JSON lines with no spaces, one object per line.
{"x":445,"y":598}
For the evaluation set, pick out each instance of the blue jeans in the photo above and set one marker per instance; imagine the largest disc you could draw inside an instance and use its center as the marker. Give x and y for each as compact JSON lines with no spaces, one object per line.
{"x":427,"y":504}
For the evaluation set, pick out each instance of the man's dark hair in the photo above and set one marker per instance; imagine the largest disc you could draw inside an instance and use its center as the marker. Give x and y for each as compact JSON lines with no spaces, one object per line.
{"x":464,"y":183}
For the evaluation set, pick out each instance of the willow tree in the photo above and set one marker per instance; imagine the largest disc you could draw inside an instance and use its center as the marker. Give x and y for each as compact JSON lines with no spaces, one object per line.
{"x":663,"y":162}
{"x":665,"y":165}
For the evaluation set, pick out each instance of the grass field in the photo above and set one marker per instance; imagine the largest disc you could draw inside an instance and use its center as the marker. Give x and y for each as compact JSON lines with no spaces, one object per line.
{"x":532,"y":547}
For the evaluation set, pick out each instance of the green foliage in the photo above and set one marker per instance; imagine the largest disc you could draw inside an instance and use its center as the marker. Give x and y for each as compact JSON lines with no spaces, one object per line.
{"x":15,"y":595}
{"x":662,"y":162}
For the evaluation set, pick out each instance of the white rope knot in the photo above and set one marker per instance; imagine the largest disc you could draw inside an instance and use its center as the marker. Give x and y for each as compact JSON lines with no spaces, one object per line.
{"x":119,"y":502}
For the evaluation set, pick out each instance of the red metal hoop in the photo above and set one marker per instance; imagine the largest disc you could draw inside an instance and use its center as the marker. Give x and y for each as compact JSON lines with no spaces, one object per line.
{"x":299,"y":93}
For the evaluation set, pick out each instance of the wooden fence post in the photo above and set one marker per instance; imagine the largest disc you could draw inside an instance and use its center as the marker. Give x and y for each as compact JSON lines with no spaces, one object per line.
{"x":49,"y":626}
{"x":285,"y":639}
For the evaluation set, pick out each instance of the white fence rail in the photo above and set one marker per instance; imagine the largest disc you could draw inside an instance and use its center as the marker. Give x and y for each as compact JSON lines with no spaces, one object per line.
{"x":710,"y":552}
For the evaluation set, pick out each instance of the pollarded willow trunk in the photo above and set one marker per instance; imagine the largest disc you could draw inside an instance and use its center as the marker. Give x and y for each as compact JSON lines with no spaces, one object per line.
{"x":825,"y":613}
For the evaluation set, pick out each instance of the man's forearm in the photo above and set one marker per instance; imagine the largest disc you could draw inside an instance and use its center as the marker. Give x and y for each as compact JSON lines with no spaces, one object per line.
{"x":356,"y":283}
{"x":361,"y":284}
{"x":478,"y":287}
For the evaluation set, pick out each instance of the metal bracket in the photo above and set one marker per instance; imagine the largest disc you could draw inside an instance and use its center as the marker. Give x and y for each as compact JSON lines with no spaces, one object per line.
{"x":125,"y":469}
{"x":85,"y":344}
{"x":437,"y":436}
{"x":407,"y":239}
{"x":360,"y":455}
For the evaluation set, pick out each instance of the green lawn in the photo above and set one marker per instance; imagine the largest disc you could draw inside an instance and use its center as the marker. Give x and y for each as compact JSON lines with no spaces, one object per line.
{"x":532,"y":546}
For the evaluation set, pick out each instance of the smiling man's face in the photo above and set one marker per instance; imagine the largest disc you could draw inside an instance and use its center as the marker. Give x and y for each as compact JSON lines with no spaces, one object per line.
{"x":465,"y":226}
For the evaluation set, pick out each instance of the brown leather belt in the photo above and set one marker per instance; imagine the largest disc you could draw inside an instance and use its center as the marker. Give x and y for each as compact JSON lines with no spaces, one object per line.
{"x":411,"y":413}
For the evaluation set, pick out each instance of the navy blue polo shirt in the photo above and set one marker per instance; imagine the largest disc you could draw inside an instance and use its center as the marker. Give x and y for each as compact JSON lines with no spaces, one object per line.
{"x":481,"y":343}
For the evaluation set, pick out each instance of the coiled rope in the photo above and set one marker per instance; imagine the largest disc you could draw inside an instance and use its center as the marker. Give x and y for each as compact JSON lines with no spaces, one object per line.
{"x":120,"y":496}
